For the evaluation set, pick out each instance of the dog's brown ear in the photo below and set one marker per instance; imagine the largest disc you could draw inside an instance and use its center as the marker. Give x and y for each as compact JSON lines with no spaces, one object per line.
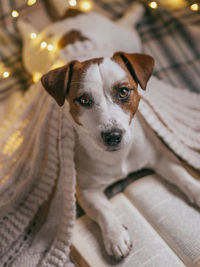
{"x":140,"y":66}
{"x":57,"y":82}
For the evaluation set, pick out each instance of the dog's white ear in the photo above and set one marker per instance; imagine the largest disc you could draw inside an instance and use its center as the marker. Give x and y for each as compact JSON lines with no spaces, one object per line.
{"x":140,"y":66}
{"x":57,"y":82}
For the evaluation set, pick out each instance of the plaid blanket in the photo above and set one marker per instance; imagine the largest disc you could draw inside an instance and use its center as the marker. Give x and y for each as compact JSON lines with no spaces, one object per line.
{"x":172,"y":38}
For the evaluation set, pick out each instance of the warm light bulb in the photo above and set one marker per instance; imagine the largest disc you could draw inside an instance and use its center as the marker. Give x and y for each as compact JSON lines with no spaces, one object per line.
{"x":36,"y":76}
{"x":153,"y":5}
{"x":72,"y":3}
{"x":31,"y":2}
{"x":33,"y":35}
{"x":194,"y":7}
{"x":85,"y":5}
{"x":49,"y":47}
{"x":43,"y":45}
{"x":15,"y":14}
{"x":6,"y":74}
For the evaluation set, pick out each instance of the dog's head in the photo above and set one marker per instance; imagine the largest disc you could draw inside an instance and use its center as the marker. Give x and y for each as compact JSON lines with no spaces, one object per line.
{"x":102,"y":95}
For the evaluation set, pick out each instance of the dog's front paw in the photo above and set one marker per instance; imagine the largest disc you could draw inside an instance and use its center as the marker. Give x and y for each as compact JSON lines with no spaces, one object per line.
{"x":117,"y":241}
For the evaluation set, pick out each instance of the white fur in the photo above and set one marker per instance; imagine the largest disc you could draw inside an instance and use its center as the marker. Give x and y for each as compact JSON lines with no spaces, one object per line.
{"x":105,"y":114}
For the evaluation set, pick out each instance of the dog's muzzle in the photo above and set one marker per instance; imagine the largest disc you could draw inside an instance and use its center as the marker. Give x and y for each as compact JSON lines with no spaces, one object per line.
{"x":112,"y":138}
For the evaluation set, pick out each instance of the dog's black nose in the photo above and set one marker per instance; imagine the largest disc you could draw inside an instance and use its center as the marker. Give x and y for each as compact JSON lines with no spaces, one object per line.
{"x":112,"y":138}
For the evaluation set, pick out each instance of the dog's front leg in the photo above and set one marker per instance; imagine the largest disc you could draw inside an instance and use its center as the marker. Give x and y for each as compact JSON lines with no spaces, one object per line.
{"x":171,"y":169}
{"x":115,"y":235}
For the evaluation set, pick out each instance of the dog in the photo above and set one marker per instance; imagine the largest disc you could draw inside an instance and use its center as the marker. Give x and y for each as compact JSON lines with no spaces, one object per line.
{"x":100,"y":96}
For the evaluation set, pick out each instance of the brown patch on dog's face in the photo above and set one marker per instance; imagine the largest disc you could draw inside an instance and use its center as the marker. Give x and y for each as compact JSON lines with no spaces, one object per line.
{"x":65,"y":82}
{"x":75,"y":91}
{"x":70,"y":38}
{"x":131,"y":104}
{"x":139,"y":68}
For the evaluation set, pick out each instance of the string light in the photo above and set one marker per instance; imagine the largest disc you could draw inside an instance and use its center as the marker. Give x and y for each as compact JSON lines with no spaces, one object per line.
{"x":85,"y":5}
{"x":194,"y":7}
{"x":153,"y":5}
{"x":36,"y":76}
{"x":49,"y":47}
{"x":43,"y":45}
{"x":72,"y":3}
{"x":15,"y":14}
{"x":33,"y":35}
{"x":31,"y":2}
{"x":6,"y":74}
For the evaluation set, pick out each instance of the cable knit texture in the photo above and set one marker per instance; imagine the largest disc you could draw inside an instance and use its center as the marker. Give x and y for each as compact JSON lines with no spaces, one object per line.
{"x":174,"y":115}
{"x":36,"y":159}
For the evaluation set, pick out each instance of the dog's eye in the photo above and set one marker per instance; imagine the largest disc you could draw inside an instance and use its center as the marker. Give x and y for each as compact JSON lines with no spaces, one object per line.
{"x":124,"y":93}
{"x":85,"y":100}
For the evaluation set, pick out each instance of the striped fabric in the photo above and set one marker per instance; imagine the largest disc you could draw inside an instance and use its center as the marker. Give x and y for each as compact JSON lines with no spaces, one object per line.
{"x":172,"y":38}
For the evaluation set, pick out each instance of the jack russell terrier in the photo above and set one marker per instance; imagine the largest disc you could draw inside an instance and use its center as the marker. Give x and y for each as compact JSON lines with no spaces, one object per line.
{"x":101,"y":96}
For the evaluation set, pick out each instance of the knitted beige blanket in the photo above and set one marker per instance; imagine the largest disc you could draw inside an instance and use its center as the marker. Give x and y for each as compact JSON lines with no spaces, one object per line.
{"x":37,"y":183}
{"x":174,"y":114}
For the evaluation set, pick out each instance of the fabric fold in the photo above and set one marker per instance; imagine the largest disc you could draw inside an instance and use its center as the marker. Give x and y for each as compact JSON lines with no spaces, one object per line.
{"x":34,"y":144}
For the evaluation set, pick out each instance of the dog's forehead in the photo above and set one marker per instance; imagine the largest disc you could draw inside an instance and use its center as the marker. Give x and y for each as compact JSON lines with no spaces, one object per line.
{"x":104,"y":75}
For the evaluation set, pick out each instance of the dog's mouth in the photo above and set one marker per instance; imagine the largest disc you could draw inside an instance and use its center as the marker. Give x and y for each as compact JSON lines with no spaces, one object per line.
{"x":113,"y":149}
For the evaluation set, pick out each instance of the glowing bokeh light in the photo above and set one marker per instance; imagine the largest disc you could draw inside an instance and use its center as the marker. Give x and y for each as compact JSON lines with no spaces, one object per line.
{"x":153,"y":5}
{"x":15,"y":14}
{"x":31,"y":2}
{"x":85,"y":5}
{"x":72,"y":3}
{"x":43,"y":45}
{"x":33,"y":35}
{"x":49,"y":47}
{"x":6,"y":74}
{"x":194,"y":7}
{"x":36,"y":76}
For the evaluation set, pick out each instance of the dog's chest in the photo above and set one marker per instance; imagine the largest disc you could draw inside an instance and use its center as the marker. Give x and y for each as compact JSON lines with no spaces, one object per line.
{"x":103,"y":170}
